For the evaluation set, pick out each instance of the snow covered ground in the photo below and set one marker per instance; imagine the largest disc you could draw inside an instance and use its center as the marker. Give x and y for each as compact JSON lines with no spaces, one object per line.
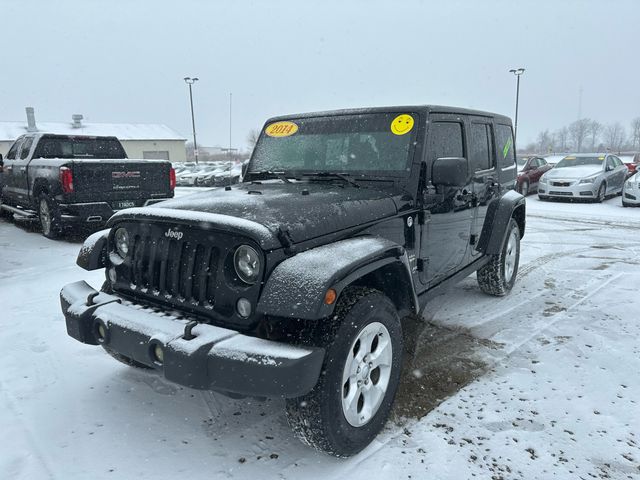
{"x":542,"y":383}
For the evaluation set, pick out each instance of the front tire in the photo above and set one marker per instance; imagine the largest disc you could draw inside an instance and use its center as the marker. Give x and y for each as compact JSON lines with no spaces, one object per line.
{"x":49,"y":216}
{"x":524,"y":188}
{"x":602,"y":193}
{"x":353,"y":397}
{"x":498,"y":276}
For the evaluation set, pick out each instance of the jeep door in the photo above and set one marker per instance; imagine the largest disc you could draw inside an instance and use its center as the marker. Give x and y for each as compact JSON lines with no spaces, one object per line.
{"x":448,"y":210}
{"x":486,"y":175}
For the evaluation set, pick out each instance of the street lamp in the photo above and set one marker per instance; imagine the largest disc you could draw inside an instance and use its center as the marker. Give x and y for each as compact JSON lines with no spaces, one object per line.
{"x":190,"y":81}
{"x":517,"y":72}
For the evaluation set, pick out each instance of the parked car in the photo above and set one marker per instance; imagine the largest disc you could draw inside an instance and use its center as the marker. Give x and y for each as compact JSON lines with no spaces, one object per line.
{"x":301,"y":289}
{"x":587,"y":175}
{"x":631,"y":191}
{"x":188,"y":176}
{"x":530,"y":169}
{"x":74,"y":180}
{"x":632,"y":163}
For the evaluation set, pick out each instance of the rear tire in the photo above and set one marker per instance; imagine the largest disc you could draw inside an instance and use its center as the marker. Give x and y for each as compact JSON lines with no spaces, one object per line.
{"x":524,"y":188}
{"x":49,"y":216}
{"x":353,"y":397}
{"x":498,"y":276}
{"x":4,"y":213}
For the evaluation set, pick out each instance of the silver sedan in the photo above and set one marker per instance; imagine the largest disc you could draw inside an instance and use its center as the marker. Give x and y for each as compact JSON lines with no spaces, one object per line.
{"x":587,"y":175}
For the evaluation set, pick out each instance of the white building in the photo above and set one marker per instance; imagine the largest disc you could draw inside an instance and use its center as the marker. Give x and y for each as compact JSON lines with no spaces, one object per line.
{"x":140,"y":140}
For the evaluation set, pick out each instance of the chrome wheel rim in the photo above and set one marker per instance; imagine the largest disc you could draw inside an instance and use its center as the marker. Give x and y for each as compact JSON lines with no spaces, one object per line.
{"x":45,"y":216}
{"x":525,"y":189}
{"x":366,"y":374}
{"x":510,"y":256}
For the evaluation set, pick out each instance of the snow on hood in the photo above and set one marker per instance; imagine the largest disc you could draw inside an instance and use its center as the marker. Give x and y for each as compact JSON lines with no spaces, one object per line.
{"x":322,"y":209}
{"x":579,"y":171}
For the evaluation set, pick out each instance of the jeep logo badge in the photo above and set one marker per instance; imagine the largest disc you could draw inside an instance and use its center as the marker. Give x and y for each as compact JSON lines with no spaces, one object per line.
{"x":173,"y":234}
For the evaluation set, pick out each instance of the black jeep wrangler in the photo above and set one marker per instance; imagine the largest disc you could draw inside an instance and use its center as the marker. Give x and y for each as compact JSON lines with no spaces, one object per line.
{"x":297,"y":282}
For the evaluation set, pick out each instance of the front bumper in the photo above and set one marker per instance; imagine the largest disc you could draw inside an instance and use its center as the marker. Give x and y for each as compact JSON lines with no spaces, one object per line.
{"x":215,"y":359}
{"x":631,"y":196}
{"x":567,"y":189}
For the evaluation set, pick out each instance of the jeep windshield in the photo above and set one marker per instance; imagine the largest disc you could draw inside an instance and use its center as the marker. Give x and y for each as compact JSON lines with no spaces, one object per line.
{"x":53,"y":146}
{"x":358,"y":145}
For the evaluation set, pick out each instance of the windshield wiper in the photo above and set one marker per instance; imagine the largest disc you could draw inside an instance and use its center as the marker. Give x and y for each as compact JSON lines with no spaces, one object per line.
{"x":341,"y":176}
{"x":279,"y":175}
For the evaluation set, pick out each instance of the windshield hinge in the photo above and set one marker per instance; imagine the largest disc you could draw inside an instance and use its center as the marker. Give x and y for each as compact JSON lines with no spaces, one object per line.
{"x":287,"y":242}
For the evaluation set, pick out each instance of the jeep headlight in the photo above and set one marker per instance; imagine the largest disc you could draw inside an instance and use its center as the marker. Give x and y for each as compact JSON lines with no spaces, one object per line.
{"x":122,"y":242}
{"x":247,"y":264}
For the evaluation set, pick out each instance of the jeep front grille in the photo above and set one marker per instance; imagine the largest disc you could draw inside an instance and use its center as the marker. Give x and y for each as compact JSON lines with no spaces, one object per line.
{"x":182,"y":270}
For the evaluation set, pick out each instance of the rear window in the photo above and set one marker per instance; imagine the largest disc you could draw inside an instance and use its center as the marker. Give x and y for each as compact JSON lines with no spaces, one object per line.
{"x":79,"y":148}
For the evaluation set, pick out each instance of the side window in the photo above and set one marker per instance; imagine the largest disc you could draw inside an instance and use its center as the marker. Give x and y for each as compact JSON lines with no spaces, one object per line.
{"x":445,"y":140}
{"x":481,"y":146}
{"x":610,"y":163}
{"x":542,"y":161}
{"x":506,"y":154}
{"x":12,"y":153}
{"x":26,"y":147}
{"x":616,"y":161}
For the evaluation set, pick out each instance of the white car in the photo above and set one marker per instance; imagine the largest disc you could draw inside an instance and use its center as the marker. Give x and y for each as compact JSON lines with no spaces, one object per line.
{"x":631,"y":191}
{"x":589,"y":176}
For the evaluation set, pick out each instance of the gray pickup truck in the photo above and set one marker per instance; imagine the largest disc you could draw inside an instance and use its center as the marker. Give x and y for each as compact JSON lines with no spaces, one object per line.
{"x":77,"y":180}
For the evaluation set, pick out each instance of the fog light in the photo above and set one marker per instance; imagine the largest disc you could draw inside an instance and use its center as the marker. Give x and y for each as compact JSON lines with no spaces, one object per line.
{"x":112,"y":275}
{"x":158,"y":354}
{"x":102,"y":333}
{"x":243,"y":307}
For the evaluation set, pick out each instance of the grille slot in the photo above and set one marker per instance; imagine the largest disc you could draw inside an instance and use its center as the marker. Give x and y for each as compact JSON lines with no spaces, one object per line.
{"x":184,"y":270}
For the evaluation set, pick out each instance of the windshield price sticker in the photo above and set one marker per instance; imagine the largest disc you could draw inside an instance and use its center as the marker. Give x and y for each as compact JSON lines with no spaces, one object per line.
{"x":402,"y":124}
{"x":281,"y":129}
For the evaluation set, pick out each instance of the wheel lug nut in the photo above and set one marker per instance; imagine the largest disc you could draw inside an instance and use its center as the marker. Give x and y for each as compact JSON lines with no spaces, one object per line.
{"x":358,"y":370}
{"x":366,"y":382}
{"x":371,"y":364}
{"x":359,"y":382}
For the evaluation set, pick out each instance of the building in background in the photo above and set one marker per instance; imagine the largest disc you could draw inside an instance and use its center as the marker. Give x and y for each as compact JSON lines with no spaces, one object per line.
{"x":140,"y":140}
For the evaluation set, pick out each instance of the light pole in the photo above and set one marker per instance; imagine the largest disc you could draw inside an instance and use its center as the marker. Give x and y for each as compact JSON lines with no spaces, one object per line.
{"x":190,"y":81}
{"x":517,"y":72}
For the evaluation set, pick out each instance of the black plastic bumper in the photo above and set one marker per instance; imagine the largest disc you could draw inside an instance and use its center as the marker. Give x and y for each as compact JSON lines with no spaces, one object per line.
{"x":97,"y":212}
{"x":215,"y":359}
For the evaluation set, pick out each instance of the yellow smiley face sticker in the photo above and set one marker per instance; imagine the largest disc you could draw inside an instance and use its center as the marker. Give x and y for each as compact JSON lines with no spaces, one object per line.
{"x":402,"y":124}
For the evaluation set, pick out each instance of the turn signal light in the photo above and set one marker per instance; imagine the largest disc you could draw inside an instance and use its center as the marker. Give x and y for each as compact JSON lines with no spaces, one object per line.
{"x":172,"y":179}
{"x":66,"y":179}
{"x":330,"y":297}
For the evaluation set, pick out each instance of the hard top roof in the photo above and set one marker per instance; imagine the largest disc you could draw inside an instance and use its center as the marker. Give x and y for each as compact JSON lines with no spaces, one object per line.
{"x":396,"y":109}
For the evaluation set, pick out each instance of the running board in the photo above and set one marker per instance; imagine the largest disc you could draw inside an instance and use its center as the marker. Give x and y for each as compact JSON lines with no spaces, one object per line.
{"x":18,"y":211}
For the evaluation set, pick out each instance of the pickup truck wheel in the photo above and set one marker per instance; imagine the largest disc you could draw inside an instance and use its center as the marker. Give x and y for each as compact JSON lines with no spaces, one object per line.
{"x":353,"y":397}
{"x":49,"y":216}
{"x":126,"y":360}
{"x":498,"y":276}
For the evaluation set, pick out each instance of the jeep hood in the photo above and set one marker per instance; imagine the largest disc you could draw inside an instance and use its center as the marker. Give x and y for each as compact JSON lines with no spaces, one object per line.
{"x":301,"y":210}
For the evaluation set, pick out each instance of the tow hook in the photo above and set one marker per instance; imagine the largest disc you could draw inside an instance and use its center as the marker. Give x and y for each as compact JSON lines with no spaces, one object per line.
{"x":187,"y":330}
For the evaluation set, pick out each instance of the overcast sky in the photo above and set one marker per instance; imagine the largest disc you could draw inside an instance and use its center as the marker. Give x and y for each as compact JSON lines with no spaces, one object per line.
{"x":124,"y":60}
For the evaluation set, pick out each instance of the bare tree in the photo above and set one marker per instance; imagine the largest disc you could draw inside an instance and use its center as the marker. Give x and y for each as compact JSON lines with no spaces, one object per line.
{"x":614,"y":137}
{"x":544,"y":143}
{"x":578,"y":131}
{"x":635,"y":133}
{"x":561,"y":139}
{"x":595,"y":128}
{"x":252,"y":138}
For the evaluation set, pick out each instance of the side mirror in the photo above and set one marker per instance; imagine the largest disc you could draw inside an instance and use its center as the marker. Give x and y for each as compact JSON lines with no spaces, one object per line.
{"x":608,"y":168}
{"x":450,"y":172}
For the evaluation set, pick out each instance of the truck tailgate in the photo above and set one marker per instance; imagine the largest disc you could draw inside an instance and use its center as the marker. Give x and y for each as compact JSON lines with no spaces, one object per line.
{"x":120,"y":180}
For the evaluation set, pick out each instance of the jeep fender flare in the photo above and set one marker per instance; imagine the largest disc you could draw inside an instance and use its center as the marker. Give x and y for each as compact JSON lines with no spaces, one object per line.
{"x":297,"y":286}
{"x":499,"y":212}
